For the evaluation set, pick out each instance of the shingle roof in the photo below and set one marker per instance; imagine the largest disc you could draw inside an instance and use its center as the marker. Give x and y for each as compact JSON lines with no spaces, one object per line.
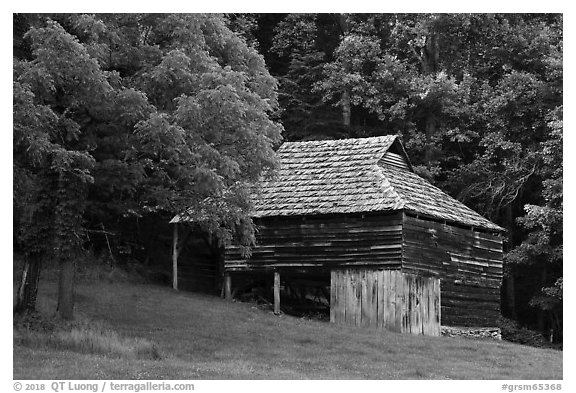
{"x":419,"y":196}
{"x":347,"y":176}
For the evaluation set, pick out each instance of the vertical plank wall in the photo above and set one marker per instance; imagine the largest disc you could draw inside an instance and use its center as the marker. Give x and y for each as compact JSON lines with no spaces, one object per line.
{"x":387,"y":299}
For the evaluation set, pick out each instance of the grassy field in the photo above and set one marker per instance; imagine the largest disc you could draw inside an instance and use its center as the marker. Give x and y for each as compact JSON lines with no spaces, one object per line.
{"x":203,"y":337}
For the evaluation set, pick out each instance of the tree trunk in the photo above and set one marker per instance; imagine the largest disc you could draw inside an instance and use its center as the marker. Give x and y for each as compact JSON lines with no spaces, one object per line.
{"x":346,"y":109}
{"x":542,"y":313}
{"x":346,"y":105}
{"x":510,"y":296}
{"x":66,"y":289}
{"x":430,"y":131}
{"x":430,"y":55}
{"x":28,"y":291}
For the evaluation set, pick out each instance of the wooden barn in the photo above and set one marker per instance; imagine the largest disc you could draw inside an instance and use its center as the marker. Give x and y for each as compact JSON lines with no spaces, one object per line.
{"x":395,"y":251}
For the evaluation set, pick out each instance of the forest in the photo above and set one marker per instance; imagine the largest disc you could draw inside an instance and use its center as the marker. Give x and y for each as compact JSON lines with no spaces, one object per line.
{"x":121,"y":121}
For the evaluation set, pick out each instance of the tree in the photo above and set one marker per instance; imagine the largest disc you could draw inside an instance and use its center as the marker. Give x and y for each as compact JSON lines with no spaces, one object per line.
{"x":543,"y":246}
{"x":126,"y":116}
{"x":51,"y":90}
{"x":183,"y":115}
{"x":470,"y":94}
{"x":304,"y":43}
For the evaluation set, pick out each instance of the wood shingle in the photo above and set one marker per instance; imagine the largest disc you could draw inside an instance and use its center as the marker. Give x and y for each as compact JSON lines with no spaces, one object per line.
{"x":350,"y":176}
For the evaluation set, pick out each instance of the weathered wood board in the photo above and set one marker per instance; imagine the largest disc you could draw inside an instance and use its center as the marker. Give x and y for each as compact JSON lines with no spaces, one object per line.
{"x":386,"y":299}
{"x":323,"y":242}
{"x":468,"y":261}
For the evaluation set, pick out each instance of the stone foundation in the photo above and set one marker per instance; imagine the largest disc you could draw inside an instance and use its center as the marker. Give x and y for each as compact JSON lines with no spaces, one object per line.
{"x":473,"y":332}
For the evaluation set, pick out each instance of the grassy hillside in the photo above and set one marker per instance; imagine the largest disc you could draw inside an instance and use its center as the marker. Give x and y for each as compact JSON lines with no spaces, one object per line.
{"x":203,"y":337}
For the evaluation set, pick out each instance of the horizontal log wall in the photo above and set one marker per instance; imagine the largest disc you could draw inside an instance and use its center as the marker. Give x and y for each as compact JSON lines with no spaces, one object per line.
{"x":469,"y":263}
{"x":323,"y":242}
{"x":387,"y":299}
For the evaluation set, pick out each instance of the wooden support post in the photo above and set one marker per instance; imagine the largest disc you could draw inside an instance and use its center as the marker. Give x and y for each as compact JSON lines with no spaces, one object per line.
{"x":227,"y":286}
{"x":276,"y":293}
{"x":175,"y":258}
